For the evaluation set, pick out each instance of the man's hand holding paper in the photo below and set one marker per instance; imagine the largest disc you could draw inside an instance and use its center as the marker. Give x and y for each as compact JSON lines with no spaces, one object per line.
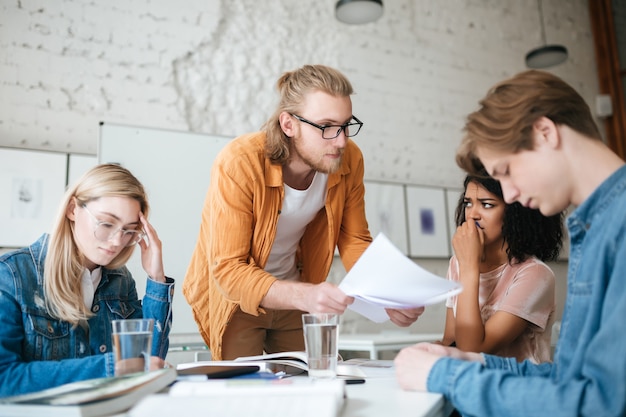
{"x":404,"y":317}
{"x":384,"y":278}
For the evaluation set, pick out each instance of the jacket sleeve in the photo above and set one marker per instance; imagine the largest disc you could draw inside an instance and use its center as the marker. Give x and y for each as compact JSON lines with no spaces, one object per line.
{"x":354,"y":235}
{"x":20,"y":375}
{"x":237,"y":226}
{"x":157,"y":305}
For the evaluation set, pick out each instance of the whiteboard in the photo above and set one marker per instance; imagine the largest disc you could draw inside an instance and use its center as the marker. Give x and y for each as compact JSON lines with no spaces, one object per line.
{"x":174,"y":167}
{"x":79,"y":164}
{"x":32,"y":184}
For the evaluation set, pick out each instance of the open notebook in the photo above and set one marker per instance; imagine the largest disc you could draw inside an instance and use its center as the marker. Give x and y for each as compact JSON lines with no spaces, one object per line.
{"x":299,"y":396}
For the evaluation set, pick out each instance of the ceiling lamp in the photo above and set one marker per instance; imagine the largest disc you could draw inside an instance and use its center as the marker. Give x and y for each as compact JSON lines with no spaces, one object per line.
{"x":357,"y":12}
{"x":547,"y":55}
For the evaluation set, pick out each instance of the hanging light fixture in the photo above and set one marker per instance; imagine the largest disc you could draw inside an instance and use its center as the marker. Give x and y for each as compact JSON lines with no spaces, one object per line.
{"x":547,"y":55}
{"x":356,"y":12}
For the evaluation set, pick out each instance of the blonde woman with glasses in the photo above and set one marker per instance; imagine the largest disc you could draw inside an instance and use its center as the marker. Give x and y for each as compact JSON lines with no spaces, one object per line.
{"x":59,"y":295}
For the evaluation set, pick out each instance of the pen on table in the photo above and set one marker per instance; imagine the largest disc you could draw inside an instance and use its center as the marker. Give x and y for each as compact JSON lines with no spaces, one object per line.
{"x":187,"y":348}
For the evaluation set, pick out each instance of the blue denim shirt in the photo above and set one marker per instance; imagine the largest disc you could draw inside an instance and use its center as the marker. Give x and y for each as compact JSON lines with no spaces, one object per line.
{"x":588,"y":376}
{"x":38,"y":351}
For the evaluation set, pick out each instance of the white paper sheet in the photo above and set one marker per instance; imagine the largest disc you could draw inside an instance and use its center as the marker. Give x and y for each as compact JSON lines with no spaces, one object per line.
{"x":384,"y":277}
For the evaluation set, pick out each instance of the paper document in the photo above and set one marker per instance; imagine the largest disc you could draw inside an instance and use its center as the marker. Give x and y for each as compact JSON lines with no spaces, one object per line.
{"x":384,"y":277}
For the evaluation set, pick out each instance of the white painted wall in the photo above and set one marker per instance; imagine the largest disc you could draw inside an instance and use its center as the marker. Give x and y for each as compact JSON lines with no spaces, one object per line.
{"x":210,"y":66}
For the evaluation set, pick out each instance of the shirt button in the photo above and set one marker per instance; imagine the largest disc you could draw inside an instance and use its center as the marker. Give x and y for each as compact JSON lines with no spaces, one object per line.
{"x":95,"y":308}
{"x":102,"y":348}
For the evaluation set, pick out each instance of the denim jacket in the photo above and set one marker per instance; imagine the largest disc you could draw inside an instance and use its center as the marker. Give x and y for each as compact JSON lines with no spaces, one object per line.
{"x":38,"y":351}
{"x":588,"y":376}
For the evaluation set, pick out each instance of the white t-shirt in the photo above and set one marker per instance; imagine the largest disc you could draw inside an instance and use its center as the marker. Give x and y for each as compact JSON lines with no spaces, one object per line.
{"x":298,"y":210}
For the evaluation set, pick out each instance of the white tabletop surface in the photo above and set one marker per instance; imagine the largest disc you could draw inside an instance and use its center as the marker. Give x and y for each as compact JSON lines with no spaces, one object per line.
{"x":377,"y":397}
{"x":383,"y":397}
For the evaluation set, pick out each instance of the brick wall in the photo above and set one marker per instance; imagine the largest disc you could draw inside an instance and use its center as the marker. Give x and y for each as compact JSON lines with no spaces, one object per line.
{"x":210,"y":66}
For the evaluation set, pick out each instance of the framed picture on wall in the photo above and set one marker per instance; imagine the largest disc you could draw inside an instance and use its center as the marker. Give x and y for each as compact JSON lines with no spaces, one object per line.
{"x":428,"y":222}
{"x":34,"y":183}
{"x":452,"y":199}
{"x":386,"y":212}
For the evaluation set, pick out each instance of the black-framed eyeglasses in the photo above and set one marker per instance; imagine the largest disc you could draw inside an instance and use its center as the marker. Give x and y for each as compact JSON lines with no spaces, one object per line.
{"x":350,"y":129}
{"x":105,"y":231}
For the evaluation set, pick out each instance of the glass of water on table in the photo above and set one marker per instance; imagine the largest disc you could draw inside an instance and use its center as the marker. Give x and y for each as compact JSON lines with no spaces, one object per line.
{"x":320,"y":340}
{"x":132,"y":345}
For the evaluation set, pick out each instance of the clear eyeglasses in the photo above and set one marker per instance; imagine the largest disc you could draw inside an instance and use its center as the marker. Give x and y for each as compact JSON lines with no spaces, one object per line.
{"x":350,"y":129}
{"x":105,"y":231}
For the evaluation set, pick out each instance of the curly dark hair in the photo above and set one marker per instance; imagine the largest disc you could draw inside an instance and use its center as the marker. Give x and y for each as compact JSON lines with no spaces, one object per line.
{"x":526,"y":231}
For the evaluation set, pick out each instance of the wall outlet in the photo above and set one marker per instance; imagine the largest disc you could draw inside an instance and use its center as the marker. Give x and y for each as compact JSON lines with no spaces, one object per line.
{"x":604,"y":105}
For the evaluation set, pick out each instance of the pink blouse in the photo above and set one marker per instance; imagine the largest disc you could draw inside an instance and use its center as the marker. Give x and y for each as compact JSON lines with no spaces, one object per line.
{"x":526,"y":290}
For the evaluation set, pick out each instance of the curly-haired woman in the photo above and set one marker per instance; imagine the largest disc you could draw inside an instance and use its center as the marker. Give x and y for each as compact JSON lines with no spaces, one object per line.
{"x":508,"y":301}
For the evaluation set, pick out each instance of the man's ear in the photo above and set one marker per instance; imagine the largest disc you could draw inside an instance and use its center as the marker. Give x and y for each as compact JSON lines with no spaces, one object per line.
{"x":546,"y":132}
{"x":286,"y":124}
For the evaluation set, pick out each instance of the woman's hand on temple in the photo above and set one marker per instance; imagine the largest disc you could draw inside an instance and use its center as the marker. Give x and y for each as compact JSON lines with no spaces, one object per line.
{"x":151,"y":255}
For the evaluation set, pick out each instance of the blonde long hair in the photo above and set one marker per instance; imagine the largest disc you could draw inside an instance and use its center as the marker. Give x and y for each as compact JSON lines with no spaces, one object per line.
{"x":293,"y":87}
{"x":63,"y":267}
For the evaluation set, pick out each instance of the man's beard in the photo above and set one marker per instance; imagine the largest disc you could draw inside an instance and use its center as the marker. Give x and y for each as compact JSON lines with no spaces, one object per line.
{"x":318,"y":165}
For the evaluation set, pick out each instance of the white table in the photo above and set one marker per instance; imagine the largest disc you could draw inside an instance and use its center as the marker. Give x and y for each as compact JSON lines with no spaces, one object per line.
{"x":374,"y":343}
{"x":377,"y":397}
{"x":383,"y":397}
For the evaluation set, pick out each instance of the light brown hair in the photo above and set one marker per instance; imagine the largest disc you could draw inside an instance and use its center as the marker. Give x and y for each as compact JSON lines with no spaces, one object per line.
{"x":504,"y":121}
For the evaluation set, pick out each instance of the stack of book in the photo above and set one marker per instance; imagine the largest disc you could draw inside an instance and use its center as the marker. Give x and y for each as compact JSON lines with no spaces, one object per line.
{"x":89,"y":398}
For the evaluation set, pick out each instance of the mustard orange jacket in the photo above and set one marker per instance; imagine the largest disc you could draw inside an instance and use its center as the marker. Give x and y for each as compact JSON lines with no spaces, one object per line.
{"x":238,"y":228}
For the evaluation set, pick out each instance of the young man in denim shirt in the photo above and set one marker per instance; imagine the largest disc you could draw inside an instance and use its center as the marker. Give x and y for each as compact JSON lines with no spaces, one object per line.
{"x":536,"y":135}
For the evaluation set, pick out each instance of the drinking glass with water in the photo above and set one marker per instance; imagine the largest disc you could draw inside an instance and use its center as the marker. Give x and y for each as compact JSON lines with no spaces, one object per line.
{"x":132,"y":345}
{"x":320,"y":340}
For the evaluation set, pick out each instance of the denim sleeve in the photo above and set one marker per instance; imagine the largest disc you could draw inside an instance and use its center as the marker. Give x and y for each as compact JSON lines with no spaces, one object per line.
{"x":525,"y":368}
{"x":157,"y":305}
{"x":19,"y":374}
{"x":510,"y":390}
{"x":506,"y":388}
{"x":23,"y":377}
